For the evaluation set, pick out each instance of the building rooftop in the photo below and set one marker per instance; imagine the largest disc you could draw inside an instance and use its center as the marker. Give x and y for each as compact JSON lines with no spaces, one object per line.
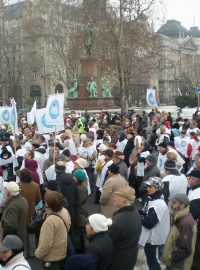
{"x":173,"y":28}
{"x":14,"y":11}
{"x":194,"y":31}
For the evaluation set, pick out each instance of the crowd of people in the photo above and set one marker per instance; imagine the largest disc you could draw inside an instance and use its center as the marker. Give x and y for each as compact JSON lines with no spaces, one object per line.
{"x":141,"y":174}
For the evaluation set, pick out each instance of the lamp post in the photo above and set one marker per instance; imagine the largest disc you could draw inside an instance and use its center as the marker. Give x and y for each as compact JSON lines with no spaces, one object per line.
{"x":197,"y":90}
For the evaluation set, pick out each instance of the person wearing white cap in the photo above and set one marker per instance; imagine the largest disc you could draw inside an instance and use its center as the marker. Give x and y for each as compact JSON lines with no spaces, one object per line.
{"x":100,"y":244}
{"x":11,"y":254}
{"x":15,"y":212}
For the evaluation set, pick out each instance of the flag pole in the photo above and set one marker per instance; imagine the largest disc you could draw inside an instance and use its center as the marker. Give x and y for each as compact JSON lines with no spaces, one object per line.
{"x":54,"y":147}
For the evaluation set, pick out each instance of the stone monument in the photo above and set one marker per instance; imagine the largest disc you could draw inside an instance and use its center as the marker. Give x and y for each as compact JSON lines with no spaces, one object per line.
{"x":90,"y":92}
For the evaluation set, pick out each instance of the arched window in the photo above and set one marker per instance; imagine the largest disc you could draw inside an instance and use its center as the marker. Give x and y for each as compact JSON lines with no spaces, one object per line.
{"x":59,"y":89}
{"x":35,"y":92}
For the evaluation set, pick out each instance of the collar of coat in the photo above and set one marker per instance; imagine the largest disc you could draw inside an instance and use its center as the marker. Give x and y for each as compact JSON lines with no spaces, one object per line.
{"x":124,"y":209}
{"x":180,"y":214}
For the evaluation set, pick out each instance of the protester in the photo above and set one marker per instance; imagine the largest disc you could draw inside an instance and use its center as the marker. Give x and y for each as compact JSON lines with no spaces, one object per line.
{"x":155,"y":222}
{"x":52,"y":246}
{"x":100,"y":244}
{"x":125,"y":230}
{"x":81,"y":214}
{"x":15,"y":212}
{"x":115,"y":182}
{"x":180,"y":244}
{"x":11,"y":254}
{"x":174,"y":182}
{"x":31,"y":192}
{"x":194,"y":197}
{"x":118,"y":159}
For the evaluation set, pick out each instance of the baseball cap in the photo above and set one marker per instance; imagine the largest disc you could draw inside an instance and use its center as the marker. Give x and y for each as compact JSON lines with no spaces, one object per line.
{"x":11,"y":242}
{"x":155,"y":182}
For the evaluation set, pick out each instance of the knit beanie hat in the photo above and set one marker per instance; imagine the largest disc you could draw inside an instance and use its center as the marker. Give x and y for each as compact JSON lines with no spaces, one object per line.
{"x":163,"y":144}
{"x":114,"y":168}
{"x":151,"y":158}
{"x":80,"y":175}
{"x":170,"y":164}
{"x":182,"y":198}
{"x":99,"y":223}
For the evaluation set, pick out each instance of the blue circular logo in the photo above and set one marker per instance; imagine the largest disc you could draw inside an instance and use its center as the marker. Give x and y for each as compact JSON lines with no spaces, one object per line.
{"x":43,"y":121}
{"x":54,"y":109}
{"x":183,"y":144}
{"x":6,"y":115}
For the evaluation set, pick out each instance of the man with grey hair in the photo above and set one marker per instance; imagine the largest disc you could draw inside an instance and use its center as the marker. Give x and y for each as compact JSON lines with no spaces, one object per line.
{"x":125,"y":230}
{"x":15,"y":212}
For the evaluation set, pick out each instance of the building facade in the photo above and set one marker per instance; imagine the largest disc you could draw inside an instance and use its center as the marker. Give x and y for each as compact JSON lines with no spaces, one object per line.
{"x":179,"y":65}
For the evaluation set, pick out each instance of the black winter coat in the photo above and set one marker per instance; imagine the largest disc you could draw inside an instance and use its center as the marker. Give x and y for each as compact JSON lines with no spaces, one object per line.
{"x":127,"y":151}
{"x":101,"y":248}
{"x":125,"y":232}
{"x":68,"y":189}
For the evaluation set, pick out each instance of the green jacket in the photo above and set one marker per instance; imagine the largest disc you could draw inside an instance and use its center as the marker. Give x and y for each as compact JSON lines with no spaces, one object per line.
{"x":179,"y":247}
{"x":14,"y":217}
{"x":80,"y":208}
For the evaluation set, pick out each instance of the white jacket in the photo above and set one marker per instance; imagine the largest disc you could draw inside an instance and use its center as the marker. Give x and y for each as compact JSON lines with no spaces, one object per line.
{"x":18,"y":262}
{"x":158,"y":234}
{"x":177,"y":184}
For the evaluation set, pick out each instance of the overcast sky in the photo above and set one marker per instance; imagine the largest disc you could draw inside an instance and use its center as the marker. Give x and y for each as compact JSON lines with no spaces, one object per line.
{"x":185,"y":11}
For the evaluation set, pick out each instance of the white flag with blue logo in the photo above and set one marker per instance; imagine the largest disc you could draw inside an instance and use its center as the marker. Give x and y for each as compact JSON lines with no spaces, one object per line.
{"x":43,"y":127}
{"x":14,"y":124}
{"x":151,"y":98}
{"x":55,"y":109}
{"x":5,"y":115}
{"x":31,"y":114}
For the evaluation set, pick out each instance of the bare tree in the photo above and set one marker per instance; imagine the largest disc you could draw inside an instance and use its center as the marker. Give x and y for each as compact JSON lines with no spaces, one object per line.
{"x":125,"y":43}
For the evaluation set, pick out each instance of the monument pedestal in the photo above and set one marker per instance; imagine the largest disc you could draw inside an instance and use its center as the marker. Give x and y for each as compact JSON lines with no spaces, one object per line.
{"x":84,"y":101}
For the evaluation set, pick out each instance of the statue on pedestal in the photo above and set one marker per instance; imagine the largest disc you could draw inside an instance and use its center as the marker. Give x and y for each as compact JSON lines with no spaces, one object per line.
{"x":73,"y":92}
{"x":105,"y":90}
{"x":88,"y":39}
{"x":92,"y":87}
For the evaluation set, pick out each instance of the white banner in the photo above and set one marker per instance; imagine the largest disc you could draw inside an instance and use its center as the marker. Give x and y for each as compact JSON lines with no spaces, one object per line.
{"x":151,"y":98}
{"x":14,"y":123}
{"x":55,"y":109}
{"x":31,"y":114}
{"x":42,"y":125}
{"x":5,"y":115}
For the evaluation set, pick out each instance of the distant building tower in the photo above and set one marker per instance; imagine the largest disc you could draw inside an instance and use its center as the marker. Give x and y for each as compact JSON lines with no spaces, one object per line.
{"x":173,"y":29}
